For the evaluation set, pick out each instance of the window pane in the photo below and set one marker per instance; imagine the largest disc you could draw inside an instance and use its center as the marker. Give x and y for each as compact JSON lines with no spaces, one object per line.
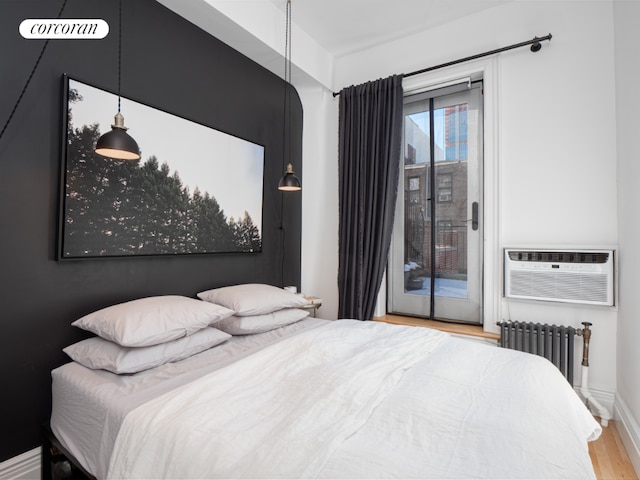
{"x":451,"y":204}
{"x":450,"y":141}
{"x":416,"y":188}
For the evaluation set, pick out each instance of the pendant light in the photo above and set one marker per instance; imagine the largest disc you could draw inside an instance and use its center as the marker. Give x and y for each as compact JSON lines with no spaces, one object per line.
{"x":118,"y":143}
{"x":289,"y":182}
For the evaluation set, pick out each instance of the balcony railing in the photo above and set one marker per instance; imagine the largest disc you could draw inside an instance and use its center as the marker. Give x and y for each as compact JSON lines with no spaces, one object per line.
{"x":450,"y":251}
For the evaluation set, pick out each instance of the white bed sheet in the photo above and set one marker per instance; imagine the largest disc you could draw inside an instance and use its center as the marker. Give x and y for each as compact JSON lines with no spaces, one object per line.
{"x":88,"y":406}
{"x":480,"y":412}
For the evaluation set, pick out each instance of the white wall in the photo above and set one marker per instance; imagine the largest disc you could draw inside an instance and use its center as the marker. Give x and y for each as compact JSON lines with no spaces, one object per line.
{"x":554,"y":159}
{"x":320,"y":198}
{"x":627,"y":45}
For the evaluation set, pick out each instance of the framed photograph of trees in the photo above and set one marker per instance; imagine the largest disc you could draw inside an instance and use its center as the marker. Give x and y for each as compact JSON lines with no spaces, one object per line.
{"x":196,"y":190}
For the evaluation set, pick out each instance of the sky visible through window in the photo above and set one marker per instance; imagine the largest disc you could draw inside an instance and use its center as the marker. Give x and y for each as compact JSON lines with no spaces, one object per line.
{"x":421,"y":119}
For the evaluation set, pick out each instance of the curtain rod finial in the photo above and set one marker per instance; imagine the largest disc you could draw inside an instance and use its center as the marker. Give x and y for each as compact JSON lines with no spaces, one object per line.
{"x":536,"y":45}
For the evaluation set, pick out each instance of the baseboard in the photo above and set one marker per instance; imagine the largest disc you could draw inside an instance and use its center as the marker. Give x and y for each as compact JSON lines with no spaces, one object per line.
{"x":26,"y":466}
{"x":629,"y":431}
{"x":605,"y":398}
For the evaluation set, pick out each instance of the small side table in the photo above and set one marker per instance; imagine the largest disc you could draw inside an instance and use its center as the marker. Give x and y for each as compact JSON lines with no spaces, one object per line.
{"x":314,"y":304}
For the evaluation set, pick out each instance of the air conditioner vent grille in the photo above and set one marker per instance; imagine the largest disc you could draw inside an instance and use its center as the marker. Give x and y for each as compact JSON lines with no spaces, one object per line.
{"x":558,"y":257}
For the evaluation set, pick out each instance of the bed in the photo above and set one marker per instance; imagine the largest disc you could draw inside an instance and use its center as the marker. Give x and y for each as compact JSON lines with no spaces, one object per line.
{"x":313,"y":398}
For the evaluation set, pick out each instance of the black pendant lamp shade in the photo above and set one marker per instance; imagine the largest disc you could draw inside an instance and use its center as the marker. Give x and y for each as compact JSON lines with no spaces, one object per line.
{"x":118,"y":143}
{"x":289,"y":183}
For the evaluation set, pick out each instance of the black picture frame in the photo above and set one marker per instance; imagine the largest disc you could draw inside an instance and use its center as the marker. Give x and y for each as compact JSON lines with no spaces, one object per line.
{"x":196,"y":189}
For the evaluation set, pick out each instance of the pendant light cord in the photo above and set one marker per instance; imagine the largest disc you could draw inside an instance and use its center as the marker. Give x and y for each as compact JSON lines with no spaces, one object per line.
{"x":287,"y":79}
{"x":288,"y":85}
{"x":119,"y":49}
{"x":33,"y":71}
{"x":286,"y":41}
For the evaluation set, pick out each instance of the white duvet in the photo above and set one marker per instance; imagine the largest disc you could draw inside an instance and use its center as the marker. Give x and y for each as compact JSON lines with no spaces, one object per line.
{"x":364,"y":400}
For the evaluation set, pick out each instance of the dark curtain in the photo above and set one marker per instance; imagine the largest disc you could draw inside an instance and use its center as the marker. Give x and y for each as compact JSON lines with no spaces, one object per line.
{"x":370,"y":136}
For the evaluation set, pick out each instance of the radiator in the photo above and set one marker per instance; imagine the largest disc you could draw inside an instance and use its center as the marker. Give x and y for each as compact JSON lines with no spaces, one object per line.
{"x":550,"y":341}
{"x":555,"y":344}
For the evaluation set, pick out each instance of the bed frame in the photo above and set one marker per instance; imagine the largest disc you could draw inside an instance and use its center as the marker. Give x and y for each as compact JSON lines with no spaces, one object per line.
{"x":57,"y":462}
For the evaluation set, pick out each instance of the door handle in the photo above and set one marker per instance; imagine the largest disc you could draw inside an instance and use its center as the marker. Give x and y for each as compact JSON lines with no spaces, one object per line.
{"x":474,"y":216}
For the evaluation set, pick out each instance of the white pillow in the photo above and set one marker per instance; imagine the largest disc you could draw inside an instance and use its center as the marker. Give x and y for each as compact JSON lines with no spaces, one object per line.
{"x":152,"y":320}
{"x":253,"y":298}
{"x":261,"y":323}
{"x":98,"y":353}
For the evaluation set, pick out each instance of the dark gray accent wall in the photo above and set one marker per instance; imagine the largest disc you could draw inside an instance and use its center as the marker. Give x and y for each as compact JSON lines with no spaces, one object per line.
{"x":169,"y":64}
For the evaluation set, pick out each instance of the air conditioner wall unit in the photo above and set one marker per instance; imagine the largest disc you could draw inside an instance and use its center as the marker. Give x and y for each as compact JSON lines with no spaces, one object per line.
{"x":573,"y":276}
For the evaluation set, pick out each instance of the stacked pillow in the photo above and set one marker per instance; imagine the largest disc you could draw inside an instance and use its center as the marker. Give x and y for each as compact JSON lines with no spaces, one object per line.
{"x":258,"y":307}
{"x":148,"y":332}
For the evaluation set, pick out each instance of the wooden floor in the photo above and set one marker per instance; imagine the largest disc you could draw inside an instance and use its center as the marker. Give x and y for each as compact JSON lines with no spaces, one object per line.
{"x":609,"y":457}
{"x":459,"y":328}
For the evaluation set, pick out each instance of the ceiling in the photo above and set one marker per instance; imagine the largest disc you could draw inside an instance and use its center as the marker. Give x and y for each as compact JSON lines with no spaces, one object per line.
{"x":346,"y":26}
{"x":334,"y":28}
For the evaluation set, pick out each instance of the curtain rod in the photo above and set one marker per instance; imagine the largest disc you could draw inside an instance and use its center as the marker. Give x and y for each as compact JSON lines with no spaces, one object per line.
{"x":534,"y":42}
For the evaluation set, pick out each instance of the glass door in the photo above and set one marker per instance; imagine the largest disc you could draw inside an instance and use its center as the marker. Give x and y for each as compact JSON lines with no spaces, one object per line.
{"x":435,"y":264}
